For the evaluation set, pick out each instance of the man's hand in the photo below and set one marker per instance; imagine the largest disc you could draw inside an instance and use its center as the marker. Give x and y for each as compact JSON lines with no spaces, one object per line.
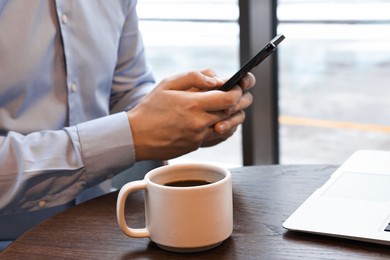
{"x":185,"y":112}
{"x":226,"y":128}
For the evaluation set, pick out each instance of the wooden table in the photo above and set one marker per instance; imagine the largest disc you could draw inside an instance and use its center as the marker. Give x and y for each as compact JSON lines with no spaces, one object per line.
{"x":264,"y":196}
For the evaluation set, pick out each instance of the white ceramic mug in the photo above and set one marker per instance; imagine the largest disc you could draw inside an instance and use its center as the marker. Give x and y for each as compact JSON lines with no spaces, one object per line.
{"x":183,"y":219}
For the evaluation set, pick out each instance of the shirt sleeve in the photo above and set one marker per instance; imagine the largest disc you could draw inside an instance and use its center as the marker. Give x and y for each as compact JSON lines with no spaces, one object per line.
{"x":133,"y":78}
{"x":55,"y":166}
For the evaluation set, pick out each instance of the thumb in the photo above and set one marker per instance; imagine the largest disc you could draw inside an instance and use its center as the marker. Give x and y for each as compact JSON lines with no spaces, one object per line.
{"x":190,"y":80}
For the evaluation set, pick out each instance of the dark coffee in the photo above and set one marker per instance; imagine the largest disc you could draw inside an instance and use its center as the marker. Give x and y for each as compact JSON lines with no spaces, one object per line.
{"x":187,"y":183}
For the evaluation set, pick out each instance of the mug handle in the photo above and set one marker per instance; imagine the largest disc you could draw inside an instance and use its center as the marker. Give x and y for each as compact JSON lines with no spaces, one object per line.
{"x":120,"y":209}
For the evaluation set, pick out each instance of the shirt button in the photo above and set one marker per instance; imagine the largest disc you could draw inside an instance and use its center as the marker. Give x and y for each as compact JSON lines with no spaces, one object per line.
{"x":73,"y":87}
{"x":64,"y":18}
{"x":42,"y":203}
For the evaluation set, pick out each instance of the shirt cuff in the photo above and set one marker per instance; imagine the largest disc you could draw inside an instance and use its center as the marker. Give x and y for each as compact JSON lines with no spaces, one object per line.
{"x":107,"y":147}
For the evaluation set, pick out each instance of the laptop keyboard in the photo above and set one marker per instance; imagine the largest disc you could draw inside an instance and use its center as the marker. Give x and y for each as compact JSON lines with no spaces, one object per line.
{"x":387,"y":228}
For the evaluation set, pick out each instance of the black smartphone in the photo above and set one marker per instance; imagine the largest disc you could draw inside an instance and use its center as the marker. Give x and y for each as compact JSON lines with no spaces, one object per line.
{"x":259,"y":57}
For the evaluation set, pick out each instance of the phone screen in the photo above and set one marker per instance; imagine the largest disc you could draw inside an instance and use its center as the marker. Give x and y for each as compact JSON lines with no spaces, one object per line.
{"x":256,"y":60}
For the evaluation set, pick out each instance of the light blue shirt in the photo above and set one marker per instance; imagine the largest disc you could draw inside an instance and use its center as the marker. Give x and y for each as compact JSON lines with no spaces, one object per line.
{"x":67,"y":70}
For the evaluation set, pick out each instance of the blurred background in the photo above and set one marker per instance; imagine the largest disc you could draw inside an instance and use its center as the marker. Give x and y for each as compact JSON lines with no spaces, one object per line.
{"x":333,"y":70}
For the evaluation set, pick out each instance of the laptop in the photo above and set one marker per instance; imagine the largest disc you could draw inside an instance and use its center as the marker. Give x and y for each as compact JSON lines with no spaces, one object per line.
{"x":354,"y":203}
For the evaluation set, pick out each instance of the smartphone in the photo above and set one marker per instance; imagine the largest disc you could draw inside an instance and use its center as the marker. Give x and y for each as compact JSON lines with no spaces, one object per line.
{"x":259,"y":57}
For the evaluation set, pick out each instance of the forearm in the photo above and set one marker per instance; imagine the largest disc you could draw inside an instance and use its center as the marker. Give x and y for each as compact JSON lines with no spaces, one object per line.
{"x":55,"y":166}
{"x":30,"y":164}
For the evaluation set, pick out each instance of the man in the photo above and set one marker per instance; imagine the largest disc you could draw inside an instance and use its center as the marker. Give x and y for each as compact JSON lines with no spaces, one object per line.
{"x":73,"y":110}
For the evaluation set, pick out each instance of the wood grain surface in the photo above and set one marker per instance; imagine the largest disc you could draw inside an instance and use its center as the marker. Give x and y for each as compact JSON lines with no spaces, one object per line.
{"x":263,"y":197}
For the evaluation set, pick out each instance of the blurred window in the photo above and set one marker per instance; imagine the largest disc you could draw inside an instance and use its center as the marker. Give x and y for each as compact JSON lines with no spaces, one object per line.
{"x":334,"y":73}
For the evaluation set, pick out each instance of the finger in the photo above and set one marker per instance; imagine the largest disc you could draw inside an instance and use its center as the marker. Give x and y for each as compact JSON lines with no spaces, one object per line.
{"x":219,"y":100}
{"x":245,"y":102}
{"x":247,"y":82}
{"x":211,"y":73}
{"x":188,"y":80}
{"x":232,"y":122}
{"x":215,"y":117}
